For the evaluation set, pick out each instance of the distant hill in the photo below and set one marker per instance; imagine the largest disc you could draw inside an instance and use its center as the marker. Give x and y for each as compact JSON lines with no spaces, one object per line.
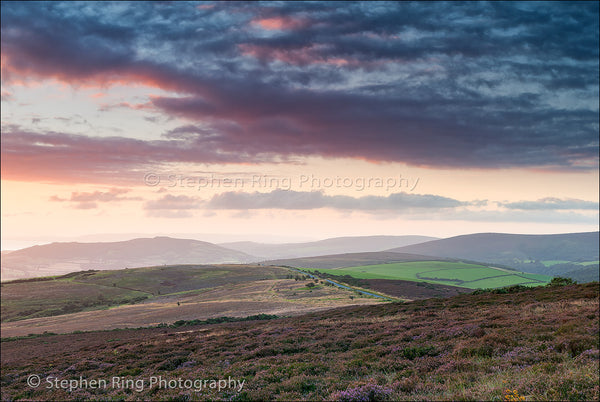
{"x":350,"y":260}
{"x":61,"y":258}
{"x":523,"y":252}
{"x":585,"y":274}
{"x":336,"y":245}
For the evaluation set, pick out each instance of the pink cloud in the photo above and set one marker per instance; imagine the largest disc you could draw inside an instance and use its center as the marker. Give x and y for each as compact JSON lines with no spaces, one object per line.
{"x":23,"y":68}
{"x":172,"y":206}
{"x":125,"y":105}
{"x":63,"y":158}
{"x":87,"y":200}
{"x":279,"y":23}
{"x":7,"y":96}
{"x":313,"y":54}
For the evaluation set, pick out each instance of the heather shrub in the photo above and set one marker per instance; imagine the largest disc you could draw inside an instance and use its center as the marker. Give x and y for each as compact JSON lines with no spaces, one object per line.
{"x":367,"y":392}
{"x":589,"y":354}
{"x":455,"y":365}
{"x":171,"y":364}
{"x":471,"y":352}
{"x":412,"y":353}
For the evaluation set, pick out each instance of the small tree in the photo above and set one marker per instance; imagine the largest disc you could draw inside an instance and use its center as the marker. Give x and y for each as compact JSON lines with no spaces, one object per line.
{"x":560,"y":281}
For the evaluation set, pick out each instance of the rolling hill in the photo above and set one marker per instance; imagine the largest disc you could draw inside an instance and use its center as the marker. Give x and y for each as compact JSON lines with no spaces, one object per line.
{"x":411,"y":276}
{"x":501,"y":247}
{"x":95,"y":300}
{"x":62,"y":258}
{"x":530,"y":253}
{"x":336,"y":245}
{"x":348,"y":260}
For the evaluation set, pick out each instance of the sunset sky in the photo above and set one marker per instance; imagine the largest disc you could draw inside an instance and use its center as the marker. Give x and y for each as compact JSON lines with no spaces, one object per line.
{"x":297,"y":121}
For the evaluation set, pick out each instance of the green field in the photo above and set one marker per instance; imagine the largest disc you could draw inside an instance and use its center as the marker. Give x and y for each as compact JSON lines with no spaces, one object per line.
{"x":471,"y":276}
{"x":549,"y":263}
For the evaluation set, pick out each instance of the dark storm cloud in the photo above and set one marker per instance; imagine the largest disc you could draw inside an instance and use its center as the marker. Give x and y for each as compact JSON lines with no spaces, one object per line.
{"x":443,"y":84}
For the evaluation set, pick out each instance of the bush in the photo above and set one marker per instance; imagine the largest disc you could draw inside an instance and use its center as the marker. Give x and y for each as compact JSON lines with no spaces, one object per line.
{"x":560,"y":281}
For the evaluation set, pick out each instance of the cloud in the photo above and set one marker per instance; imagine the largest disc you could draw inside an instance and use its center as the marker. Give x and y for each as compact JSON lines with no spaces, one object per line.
{"x":304,"y":200}
{"x":279,"y":23}
{"x":114,"y":194}
{"x":475,"y":85}
{"x":86,"y":205}
{"x":87,"y":200}
{"x":551,"y":204}
{"x":410,"y":206}
{"x":172,"y":206}
{"x":173,"y":202}
{"x":58,"y":157}
{"x":7,"y":96}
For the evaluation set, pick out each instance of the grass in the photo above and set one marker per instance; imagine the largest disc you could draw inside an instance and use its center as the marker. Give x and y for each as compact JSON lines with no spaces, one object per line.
{"x":589,"y":263}
{"x":86,"y":301}
{"x":467,"y":275}
{"x":549,"y":263}
{"x":92,"y":290}
{"x":536,"y":343}
{"x":32,"y":299}
{"x":179,"y":278}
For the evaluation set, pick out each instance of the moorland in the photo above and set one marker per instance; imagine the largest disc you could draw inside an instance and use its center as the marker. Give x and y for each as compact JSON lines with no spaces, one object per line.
{"x":515,"y":343}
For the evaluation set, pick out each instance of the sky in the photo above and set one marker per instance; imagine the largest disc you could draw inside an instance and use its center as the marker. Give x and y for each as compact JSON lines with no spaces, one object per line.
{"x":289,"y":121}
